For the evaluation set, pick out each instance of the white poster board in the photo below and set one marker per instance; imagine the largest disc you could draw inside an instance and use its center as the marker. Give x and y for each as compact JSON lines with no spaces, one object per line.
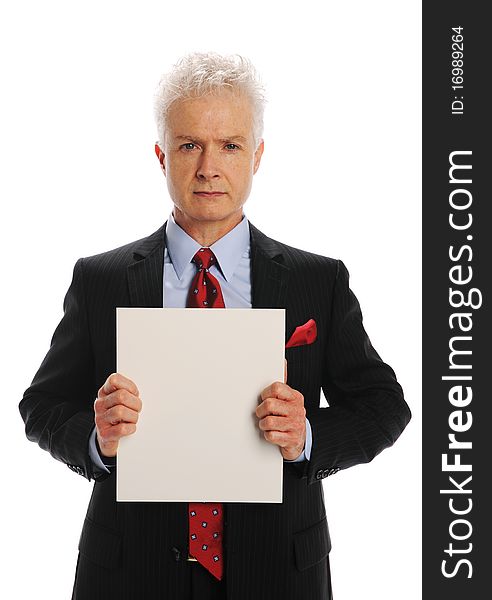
{"x":200,"y":373}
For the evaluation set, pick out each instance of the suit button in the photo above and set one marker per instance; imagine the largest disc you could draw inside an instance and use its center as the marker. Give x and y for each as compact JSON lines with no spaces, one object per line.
{"x":319,"y":474}
{"x":177,"y":553}
{"x":326,"y":472}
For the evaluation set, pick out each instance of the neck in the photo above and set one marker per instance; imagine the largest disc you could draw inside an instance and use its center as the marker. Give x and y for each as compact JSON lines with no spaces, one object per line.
{"x":206,"y":233}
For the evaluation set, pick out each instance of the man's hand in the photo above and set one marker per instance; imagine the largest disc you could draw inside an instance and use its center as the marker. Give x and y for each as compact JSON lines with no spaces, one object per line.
{"x":116,"y":411}
{"x":283,"y":418}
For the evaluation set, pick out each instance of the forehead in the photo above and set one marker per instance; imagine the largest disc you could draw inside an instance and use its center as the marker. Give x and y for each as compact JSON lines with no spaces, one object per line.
{"x":221,"y":113}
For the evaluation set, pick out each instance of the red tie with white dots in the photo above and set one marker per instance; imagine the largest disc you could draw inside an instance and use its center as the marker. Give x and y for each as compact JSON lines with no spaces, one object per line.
{"x":206,"y":518}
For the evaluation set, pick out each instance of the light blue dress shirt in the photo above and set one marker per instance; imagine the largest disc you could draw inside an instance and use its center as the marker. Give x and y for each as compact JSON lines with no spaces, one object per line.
{"x":233,"y":273}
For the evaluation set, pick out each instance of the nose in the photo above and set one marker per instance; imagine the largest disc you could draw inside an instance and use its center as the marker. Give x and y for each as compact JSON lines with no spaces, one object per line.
{"x":208,"y":166}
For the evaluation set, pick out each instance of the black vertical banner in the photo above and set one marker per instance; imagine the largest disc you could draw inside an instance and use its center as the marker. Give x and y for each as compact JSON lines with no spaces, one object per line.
{"x":457,"y":296}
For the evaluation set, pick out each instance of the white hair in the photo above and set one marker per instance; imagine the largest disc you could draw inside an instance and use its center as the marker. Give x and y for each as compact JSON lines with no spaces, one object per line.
{"x":198,"y":74}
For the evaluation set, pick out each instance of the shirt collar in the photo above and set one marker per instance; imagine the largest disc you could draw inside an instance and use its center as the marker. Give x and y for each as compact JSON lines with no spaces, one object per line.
{"x":228,"y":249}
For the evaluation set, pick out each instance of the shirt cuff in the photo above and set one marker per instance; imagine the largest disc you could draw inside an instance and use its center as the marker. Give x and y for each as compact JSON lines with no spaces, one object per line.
{"x":306,"y":453}
{"x":94,"y":454}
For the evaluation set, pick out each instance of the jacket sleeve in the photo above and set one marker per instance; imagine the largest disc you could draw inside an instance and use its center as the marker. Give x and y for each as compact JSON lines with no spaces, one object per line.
{"x":367,"y":411}
{"x":58,"y":407}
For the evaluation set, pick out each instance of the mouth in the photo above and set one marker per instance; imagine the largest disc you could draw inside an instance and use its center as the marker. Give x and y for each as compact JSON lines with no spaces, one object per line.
{"x":209,"y":194}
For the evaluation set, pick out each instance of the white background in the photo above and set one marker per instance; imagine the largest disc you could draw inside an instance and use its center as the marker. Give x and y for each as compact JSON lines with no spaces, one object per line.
{"x":340,"y":176}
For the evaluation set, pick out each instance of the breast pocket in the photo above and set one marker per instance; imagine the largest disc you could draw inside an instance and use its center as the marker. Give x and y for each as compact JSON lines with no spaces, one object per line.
{"x":304,"y":369}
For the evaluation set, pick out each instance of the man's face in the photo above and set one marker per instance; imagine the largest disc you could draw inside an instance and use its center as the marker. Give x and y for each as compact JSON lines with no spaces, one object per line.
{"x":210,"y":158}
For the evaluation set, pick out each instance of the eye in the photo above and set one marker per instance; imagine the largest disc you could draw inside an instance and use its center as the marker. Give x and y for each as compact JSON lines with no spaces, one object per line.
{"x":231,"y":146}
{"x":188,"y":146}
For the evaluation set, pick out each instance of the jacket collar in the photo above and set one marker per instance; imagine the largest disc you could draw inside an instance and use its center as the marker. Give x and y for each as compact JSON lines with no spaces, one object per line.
{"x":146,"y":272}
{"x":269,"y":275}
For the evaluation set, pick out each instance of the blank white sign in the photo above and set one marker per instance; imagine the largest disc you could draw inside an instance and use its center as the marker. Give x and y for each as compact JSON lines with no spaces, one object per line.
{"x":200,"y":373}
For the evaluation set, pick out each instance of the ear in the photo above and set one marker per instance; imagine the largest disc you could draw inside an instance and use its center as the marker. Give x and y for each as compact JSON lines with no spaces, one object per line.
{"x":160,"y":156}
{"x":258,"y":155}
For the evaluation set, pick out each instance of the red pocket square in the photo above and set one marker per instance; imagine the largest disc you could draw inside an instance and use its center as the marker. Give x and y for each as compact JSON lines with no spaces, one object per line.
{"x":304,"y":334}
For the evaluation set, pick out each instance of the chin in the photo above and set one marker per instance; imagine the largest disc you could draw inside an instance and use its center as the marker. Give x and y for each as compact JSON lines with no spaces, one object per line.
{"x":212,"y":213}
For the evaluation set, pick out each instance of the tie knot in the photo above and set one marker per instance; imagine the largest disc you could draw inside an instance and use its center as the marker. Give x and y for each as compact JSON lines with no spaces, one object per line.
{"x":204,"y":258}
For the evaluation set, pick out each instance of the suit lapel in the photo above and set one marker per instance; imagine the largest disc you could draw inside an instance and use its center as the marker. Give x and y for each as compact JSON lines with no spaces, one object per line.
{"x":145,"y":275}
{"x":269,"y":276}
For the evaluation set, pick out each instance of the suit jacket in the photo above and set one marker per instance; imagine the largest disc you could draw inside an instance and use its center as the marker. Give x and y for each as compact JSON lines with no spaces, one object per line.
{"x":272,"y":551}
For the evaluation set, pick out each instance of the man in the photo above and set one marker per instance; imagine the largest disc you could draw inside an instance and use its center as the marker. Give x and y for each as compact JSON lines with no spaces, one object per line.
{"x":209,"y":113}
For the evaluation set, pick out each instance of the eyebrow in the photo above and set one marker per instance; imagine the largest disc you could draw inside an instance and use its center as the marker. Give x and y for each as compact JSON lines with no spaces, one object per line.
{"x":232,"y":138}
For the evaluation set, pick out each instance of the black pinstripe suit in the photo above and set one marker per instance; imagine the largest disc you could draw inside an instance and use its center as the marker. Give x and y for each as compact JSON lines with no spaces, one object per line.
{"x":273,"y":551}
